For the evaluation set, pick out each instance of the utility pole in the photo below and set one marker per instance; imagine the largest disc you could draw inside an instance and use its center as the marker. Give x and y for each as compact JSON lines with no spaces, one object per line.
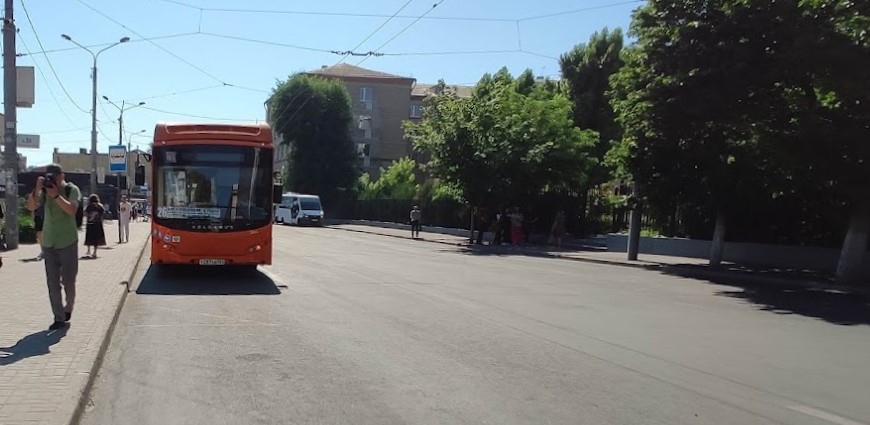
{"x":10,"y":100}
{"x":120,"y":143}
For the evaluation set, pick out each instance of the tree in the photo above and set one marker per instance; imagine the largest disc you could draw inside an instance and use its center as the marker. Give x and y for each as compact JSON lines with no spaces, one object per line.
{"x":396,"y":182}
{"x":791,"y":98}
{"x":687,"y":118}
{"x":587,"y":69}
{"x":501,"y":145}
{"x":314,"y":115}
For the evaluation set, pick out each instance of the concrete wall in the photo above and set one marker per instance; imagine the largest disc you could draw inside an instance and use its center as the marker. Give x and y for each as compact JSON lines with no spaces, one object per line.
{"x":785,"y":256}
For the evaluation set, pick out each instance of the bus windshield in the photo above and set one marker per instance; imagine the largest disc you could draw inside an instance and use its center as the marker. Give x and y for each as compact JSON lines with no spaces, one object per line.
{"x":212,"y":188}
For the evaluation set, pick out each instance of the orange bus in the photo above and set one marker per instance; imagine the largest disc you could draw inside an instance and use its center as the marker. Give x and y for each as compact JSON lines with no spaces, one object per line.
{"x":211,"y":194}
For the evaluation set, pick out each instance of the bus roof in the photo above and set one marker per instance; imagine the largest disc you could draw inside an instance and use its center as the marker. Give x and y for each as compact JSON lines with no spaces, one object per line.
{"x":246,"y":132}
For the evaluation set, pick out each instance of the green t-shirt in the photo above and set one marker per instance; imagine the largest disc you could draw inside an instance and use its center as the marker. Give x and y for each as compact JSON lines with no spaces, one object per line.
{"x":59,"y":229}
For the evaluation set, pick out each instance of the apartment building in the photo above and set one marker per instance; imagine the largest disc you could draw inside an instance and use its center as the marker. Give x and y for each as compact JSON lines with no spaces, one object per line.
{"x":380,"y":103}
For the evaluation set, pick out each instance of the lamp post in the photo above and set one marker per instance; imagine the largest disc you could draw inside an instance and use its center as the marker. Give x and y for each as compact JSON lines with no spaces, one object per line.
{"x":121,"y":109}
{"x":94,"y":106}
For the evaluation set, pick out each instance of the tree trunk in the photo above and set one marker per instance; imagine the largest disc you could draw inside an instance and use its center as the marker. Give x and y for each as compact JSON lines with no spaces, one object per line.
{"x":854,"y":245}
{"x":718,"y":243}
{"x":634,"y":228}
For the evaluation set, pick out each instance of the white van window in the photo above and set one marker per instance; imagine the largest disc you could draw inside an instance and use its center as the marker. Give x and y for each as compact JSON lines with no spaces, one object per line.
{"x":311,"y":204}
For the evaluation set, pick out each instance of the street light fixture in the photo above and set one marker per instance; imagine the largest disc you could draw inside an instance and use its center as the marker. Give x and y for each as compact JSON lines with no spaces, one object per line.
{"x":124,"y":107}
{"x":93,"y":181}
{"x":130,"y":138}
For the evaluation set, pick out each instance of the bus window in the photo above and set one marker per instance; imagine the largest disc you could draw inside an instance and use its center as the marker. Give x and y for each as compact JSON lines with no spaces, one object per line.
{"x":223,"y":187}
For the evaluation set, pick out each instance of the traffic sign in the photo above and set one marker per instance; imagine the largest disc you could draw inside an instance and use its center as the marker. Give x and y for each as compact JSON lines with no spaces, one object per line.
{"x":117,"y":159}
{"x":27,"y":141}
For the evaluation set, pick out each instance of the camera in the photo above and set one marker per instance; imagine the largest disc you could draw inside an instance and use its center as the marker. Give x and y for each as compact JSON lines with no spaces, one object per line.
{"x":49,"y":180}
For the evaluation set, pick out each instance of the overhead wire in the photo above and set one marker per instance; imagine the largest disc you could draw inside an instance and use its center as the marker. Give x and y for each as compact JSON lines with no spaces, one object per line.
{"x":47,"y":85}
{"x":116,"y":22}
{"x":339,"y":14}
{"x":47,"y":60}
{"x":64,"y":131}
{"x":270,"y":43}
{"x":375,"y":31}
{"x":132,"y":40}
{"x":434,"y":6}
{"x":163,"y":111}
{"x":585,"y":9}
{"x":160,"y":96}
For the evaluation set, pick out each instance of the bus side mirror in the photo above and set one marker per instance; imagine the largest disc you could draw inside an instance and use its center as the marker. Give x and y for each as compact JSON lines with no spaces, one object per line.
{"x":140,"y":175}
{"x":277,"y":192}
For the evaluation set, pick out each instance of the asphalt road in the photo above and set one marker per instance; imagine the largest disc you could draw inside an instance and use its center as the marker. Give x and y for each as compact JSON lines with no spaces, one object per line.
{"x":349,"y":328}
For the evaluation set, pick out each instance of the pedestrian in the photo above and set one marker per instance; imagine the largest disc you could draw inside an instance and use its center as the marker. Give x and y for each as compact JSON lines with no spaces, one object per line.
{"x":95,"y":235}
{"x":124,"y":214}
{"x":60,"y":200}
{"x":558,"y":229}
{"x":416,"y":215}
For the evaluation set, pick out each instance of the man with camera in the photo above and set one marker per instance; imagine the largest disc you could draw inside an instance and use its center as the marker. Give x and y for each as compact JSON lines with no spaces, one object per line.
{"x":59,"y":239}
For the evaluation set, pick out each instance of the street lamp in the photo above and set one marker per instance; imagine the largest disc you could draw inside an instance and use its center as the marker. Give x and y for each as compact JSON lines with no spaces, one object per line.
{"x":121,"y":109}
{"x":94,"y":106}
{"x":130,"y":138}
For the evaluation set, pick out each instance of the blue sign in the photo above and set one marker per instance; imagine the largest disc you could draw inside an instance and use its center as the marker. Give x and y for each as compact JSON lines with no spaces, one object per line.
{"x":118,"y":159}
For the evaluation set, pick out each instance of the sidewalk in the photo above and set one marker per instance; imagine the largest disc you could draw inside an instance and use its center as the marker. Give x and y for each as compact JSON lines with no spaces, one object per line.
{"x":696,"y":268}
{"x":44,"y":374}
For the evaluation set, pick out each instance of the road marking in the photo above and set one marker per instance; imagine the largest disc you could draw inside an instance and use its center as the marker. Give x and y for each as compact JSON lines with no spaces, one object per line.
{"x":275,"y":278}
{"x":821,"y":414}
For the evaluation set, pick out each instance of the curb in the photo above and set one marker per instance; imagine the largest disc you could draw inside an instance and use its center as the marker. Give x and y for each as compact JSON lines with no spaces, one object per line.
{"x":674,"y":270}
{"x":107,"y":338}
{"x":395,"y":236}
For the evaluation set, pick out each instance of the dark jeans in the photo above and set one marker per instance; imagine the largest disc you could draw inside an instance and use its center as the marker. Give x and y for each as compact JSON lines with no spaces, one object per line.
{"x":415,"y":226}
{"x":61,"y":268}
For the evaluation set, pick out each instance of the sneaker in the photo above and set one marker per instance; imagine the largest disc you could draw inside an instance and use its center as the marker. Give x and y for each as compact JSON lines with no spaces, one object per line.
{"x":57,"y":325}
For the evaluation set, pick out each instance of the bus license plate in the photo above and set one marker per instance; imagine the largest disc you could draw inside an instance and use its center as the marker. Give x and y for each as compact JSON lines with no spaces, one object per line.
{"x":211,"y":262}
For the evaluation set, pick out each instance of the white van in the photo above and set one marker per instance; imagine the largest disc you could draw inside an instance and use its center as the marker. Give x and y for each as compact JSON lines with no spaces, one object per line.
{"x":299,"y":209}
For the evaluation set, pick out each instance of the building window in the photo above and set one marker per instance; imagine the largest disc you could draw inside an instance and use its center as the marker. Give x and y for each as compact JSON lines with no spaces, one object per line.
{"x":365,"y":133}
{"x":416,"y":111}
{"x":365,"y":94}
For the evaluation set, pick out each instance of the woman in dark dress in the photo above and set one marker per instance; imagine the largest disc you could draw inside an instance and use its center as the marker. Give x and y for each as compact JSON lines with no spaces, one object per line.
{"x":94,"y":234}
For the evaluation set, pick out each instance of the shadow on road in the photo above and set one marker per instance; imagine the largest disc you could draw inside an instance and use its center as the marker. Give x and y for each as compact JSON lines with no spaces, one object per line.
{"x":35,"y":344}
{"x":831,"y":306}
{"x":194,"y":280}
{"x":834,"y":306}
{"x":769,"y":289}
{"x":528,"y":250}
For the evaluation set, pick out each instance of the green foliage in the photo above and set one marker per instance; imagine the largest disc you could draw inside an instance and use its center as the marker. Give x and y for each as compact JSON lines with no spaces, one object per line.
{"x":586,"y":70}
{"x":26,"y":224}
{"x":396,"y":182}
{"x":727,"y":104}
{"x":501,"y":145}
{"x":314,"y":115}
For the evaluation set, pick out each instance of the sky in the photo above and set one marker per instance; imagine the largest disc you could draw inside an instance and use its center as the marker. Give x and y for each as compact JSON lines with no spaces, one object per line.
{"x":218,"y":60}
